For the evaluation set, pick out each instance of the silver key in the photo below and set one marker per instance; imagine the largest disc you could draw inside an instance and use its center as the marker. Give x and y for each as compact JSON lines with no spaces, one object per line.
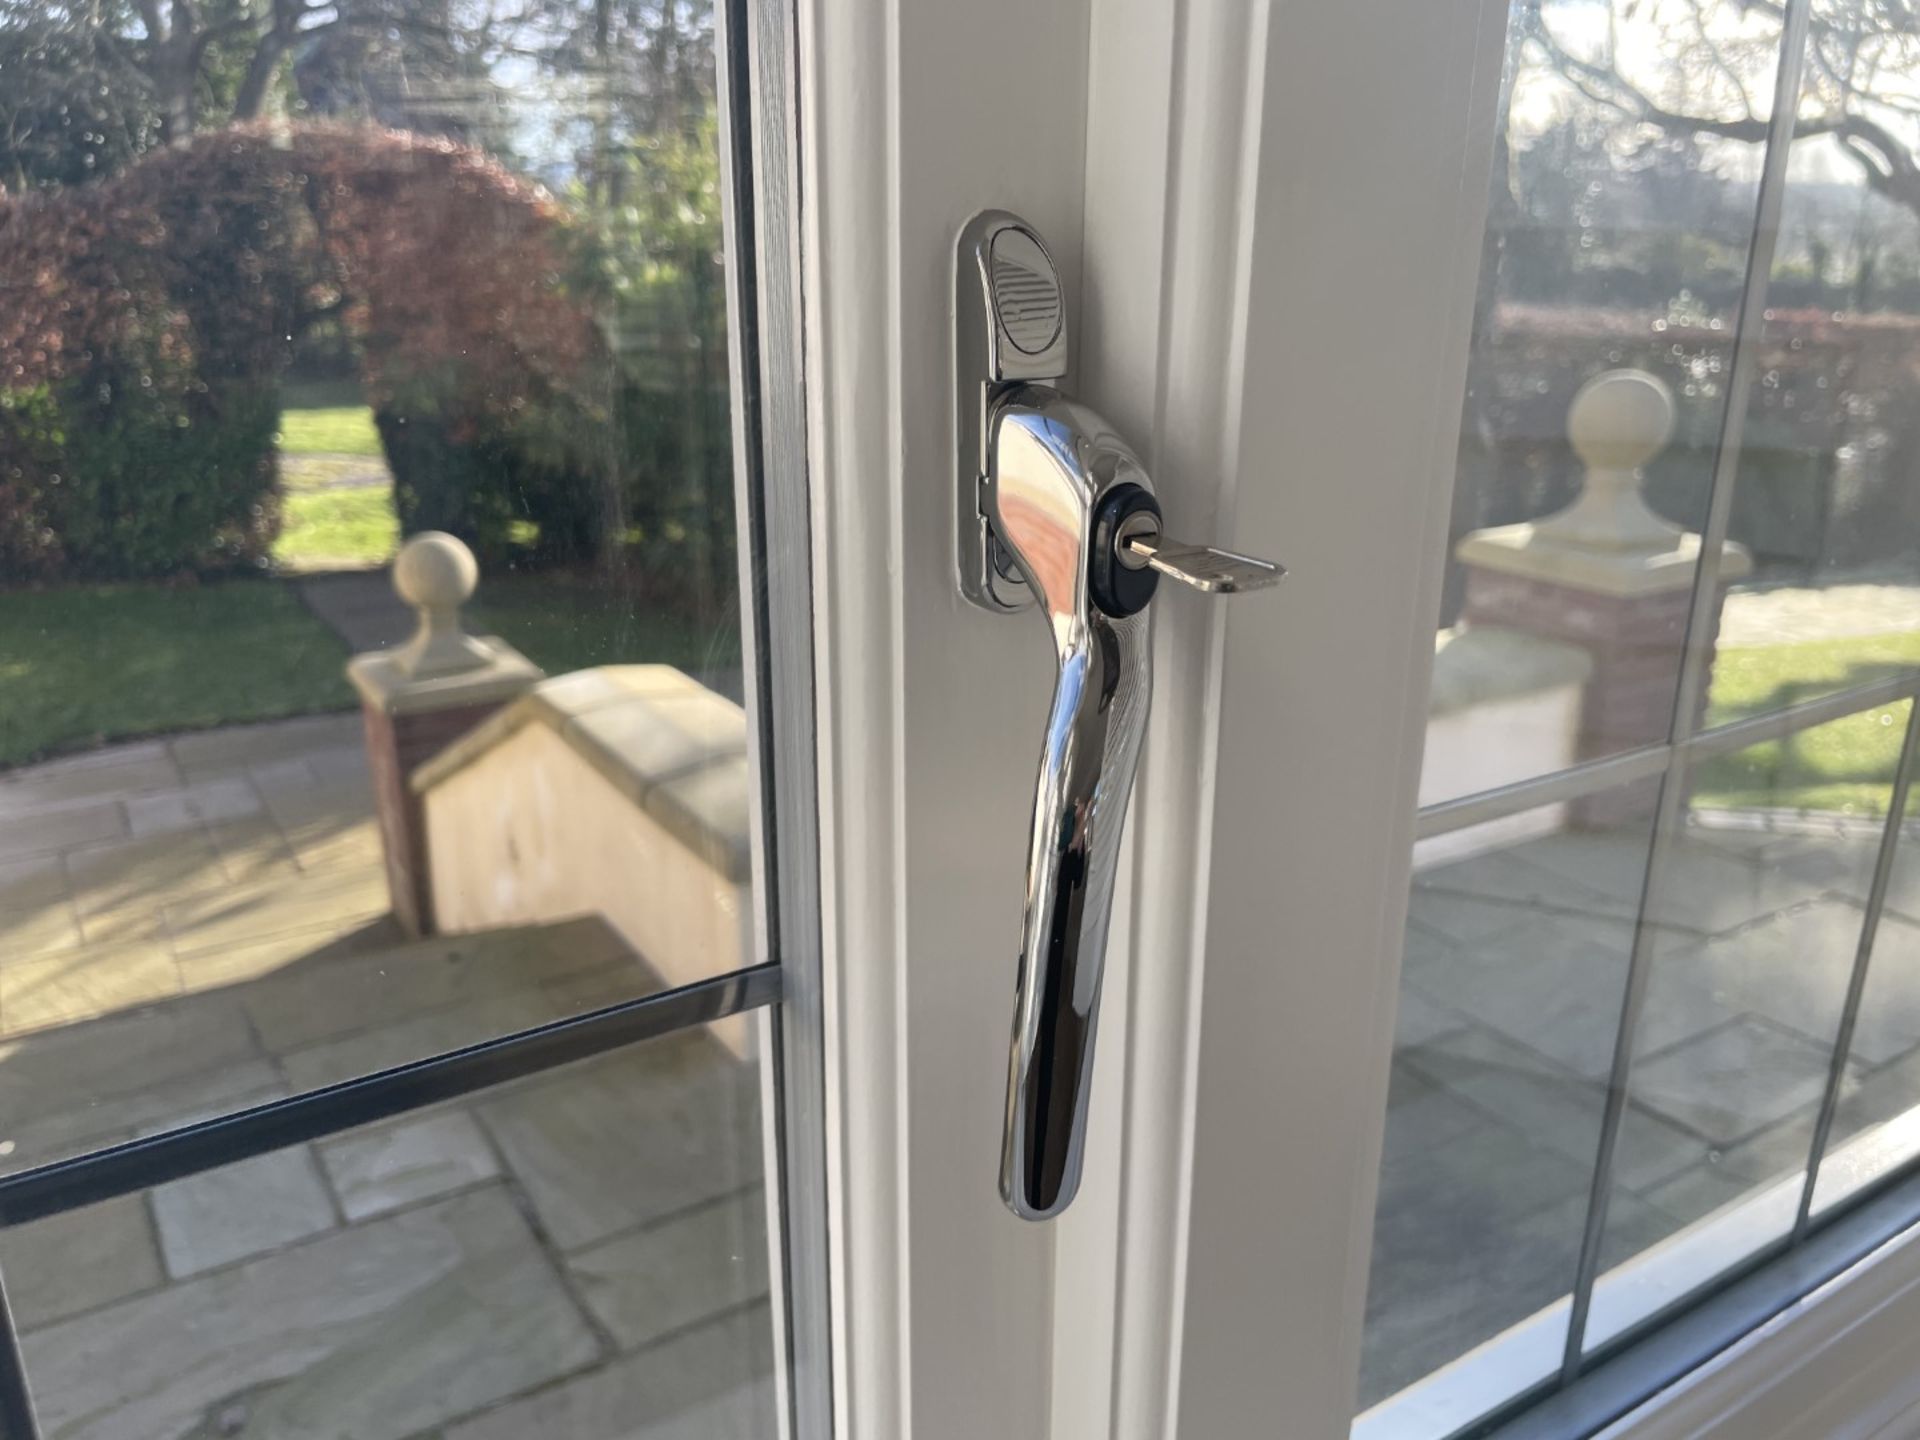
{"x":1204,"y":567}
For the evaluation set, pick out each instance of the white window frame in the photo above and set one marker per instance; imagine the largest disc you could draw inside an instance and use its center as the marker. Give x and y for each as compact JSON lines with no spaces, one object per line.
{"x":1211,"y":1279}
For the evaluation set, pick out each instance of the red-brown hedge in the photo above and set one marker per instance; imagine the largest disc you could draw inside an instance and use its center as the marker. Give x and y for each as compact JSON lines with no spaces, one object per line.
{"x":191,"y":271}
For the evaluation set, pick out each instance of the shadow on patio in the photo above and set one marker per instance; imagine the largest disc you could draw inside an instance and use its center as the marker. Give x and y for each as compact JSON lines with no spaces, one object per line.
{"x":196,"y":925}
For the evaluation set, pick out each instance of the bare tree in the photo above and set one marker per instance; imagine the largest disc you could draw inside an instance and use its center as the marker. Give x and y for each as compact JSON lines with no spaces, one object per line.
{"x":1715,"y":70}
{"x":195,"y":62}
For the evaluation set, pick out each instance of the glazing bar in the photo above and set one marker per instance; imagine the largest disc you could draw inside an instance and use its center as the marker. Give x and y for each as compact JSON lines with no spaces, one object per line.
{"x":1701,"y":621}
{"x":1613,"y":771}
{"x":1862,"y":958}
{"x":140,"y":1164}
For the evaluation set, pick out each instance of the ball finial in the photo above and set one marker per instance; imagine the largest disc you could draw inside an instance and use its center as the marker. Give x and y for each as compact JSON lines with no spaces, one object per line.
{"x":1620,"y":420}
{"x":435,"y":571}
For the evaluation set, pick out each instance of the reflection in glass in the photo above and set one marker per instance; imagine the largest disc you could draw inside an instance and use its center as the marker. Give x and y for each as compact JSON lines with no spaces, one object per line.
{"x":1825,"y":500}
{"x":1514,"y":969}
{"x":547,"y":1258}
{"x":277,"y":307}
{"x":1876,"y":1125}
{"x":1753,"y":938}
{"x":1599,"y":415}
{"x":1613,"y":243}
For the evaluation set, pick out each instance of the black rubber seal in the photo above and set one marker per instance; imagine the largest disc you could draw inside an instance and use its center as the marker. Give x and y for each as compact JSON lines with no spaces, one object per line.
{"x":1118,"y":591}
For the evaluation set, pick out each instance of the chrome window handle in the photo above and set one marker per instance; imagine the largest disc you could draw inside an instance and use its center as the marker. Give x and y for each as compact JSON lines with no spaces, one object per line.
{"x":1056,"y":513}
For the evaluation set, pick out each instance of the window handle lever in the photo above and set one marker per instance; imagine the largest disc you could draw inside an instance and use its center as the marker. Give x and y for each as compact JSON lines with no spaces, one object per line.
{"x":1057,"y":514}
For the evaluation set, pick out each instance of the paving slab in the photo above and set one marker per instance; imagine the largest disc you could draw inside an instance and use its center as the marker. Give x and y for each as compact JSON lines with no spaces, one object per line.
{"x":192,"y":806}
{"x":695,"y":1266}
{"x":253,"y":1207}
{"x":31,"y":882}
{"x":49,"y":928}
{"x":110,"y":774}
{"x":390,"y":1166}
{"x":341,"y":994}
{"x":252,"y":849}
{"x":1431,"y":1298}
{"x":247,"y":961}
{"x":242,"y":749}
{"x":1421,"y":1113}
{"x":686,"y":1115}
{"x":380,"y":1331}
{"x":1734,"y":1081}
{"x":238,"y":913}
{"x":1420,"y":1019}
{"x":144,"y":873}
{"x":91,"y":1116}
{"x":114,"y":1065}
{"x":78,"y":1261}
{"x":1551,"y":982}
{"x":657,"y":1393}
{"x":1791,"y":967}
{"x":328,"y":825}
{"x":82,"y":985}
{"x":1888,"y":1024}
{"x":49,"y":831}
{"x":1553,"y":1107}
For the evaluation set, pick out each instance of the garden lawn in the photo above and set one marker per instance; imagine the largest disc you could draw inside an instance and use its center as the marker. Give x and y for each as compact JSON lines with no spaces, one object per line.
{"x":335,"y":430}
{"x":1845,"y":766}
{"x":85,"y":664}
{"x":333,"y":528}
{"x":563,"y":624}
{"x":337,"y":497}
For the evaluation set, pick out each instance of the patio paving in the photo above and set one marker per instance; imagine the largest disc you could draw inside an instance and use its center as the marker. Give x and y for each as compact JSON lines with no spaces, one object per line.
{"x":194,"y":925}
{"x":1513,"y":977}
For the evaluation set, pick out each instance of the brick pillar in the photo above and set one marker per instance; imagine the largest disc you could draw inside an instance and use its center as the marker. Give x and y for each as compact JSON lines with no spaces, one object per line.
{"x":419,"y":698}
{"x":1606,"y":574}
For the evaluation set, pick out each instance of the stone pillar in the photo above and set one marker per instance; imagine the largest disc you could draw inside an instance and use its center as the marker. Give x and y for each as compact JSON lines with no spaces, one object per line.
{"x":1606,"y":573}
{"x":423,"y":695}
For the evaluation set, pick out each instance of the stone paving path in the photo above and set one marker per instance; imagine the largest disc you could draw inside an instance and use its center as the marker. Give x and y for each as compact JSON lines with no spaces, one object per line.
{"x":193,"y":925}
{"x":359,"y":606}
{"x":330,"y":470}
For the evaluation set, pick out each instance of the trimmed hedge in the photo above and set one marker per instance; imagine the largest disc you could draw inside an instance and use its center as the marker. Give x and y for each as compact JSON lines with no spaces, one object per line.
{"x":150,"y":317}
{"x":487,"y":488}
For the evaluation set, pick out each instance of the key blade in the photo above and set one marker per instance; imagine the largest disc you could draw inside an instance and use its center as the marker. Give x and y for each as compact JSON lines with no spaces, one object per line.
{"x":1206,"y":568}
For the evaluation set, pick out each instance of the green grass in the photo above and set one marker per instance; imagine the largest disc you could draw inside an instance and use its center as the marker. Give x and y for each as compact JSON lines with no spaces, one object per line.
{"x":86,"y":664}
{"x":1845,"y":766}
{"x":341,"y":529}
{"x":332,"y":430}
{"x":563,"y":623}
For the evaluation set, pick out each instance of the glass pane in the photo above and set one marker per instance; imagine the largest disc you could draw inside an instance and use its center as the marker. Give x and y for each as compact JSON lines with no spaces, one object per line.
{"x":1876,"y":1125}
{"x":1612,"y":244}
{"x":1517,"y":945}
{"x":1754,"y":934}
{"x":583,"y":1254}
{"x":1826,"y":506}
{"x":274,"y":311}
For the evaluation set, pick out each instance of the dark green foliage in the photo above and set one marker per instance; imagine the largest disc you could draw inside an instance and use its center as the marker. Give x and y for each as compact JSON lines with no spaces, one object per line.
{"x":486,"y":485}
{"x":71,"y":105}
{"x":162,"y":480}
{"x":112,"y":477}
